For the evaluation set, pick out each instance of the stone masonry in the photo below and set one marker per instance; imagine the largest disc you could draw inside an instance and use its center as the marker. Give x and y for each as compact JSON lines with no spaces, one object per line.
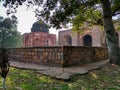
{"x":62,"y":56}
{"x":65,"y":37}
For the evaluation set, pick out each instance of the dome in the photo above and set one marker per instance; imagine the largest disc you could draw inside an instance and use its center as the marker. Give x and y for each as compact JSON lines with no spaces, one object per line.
{"x":39,"y":26}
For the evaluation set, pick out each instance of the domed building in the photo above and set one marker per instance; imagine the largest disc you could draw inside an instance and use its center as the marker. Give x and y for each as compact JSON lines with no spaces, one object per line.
{"x":39,"y":26}
{"x":39,"y":36}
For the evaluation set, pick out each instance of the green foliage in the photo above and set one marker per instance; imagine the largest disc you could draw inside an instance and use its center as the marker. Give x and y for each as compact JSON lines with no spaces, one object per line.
{"x":115,"y":7}
{"x":87,"y":18}
{"x":57,"y":13}
{"x":60,"y":12}
{"x":117,"y":24}
{"x":9,"y":36}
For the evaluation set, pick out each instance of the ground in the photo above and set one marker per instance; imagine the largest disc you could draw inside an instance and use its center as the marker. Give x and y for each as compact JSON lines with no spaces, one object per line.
{"x":59,"y":72}
{"x":106,"y":78}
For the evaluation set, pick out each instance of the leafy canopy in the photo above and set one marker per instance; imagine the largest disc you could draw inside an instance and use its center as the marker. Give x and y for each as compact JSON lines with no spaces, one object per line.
{"x":57,"y":13}
{"x":9,"y":36}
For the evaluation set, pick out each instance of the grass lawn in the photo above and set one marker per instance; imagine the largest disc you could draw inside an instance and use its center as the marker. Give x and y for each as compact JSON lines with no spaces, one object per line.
{"x":106,"y":78}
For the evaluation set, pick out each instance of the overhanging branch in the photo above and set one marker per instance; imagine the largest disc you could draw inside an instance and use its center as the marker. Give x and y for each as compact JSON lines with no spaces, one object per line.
{"x":115,"y":12}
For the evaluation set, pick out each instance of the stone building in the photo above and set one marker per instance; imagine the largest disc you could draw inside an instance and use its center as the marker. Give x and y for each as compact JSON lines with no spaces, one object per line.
{"x":39,"y":36}
{"x":89,"y":36}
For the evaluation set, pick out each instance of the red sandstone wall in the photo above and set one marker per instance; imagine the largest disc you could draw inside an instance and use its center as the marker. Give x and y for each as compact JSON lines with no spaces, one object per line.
{"x":36,"y":39}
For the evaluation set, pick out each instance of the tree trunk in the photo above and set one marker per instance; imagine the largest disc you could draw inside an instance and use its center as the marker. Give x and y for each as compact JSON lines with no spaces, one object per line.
{"x":111,"y":36}
{"x":3,"y":83}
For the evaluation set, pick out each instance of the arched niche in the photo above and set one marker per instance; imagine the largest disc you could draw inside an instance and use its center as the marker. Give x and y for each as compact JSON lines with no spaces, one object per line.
{"x":67,"y":40}
{"x":87,"y":40}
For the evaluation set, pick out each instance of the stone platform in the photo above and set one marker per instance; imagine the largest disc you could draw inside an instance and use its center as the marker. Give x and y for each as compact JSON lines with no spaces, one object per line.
{"x":59,"y":72}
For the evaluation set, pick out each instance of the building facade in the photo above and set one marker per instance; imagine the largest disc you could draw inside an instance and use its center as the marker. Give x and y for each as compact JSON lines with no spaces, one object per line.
{"x":89,"y":36}
{"x":39,"y":36}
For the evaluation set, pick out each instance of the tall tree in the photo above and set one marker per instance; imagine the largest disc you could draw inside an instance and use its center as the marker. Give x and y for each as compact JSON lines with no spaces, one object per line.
{"x":58,"y":13}
{"x":111,"y":36}
{"x":4,"y":66}
{"x":9,"y":36}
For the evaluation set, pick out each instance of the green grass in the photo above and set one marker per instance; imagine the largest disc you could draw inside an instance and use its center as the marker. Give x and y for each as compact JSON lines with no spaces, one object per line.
{"x":106,"y":78}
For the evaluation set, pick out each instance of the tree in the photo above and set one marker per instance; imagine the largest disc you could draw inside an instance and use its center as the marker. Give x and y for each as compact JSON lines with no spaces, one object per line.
{"x":111,"y":36}
{"x":4,"y":66}
{"x":9,"y":36}
{"x":58,"y":13}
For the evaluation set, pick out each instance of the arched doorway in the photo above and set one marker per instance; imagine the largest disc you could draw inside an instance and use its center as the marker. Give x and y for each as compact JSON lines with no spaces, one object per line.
{"x":87,"y":40}
{"x":67,"y":40}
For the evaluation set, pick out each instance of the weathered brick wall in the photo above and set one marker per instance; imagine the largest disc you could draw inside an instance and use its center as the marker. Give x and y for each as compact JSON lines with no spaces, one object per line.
{"x":83,"y":55}
{"x":58,"y":56}
{"x":50,"y":56}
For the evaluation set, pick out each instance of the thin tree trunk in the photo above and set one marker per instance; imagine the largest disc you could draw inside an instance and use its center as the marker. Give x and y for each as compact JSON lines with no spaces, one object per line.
{"x":111,"y":37}
{"x":3,"y":83}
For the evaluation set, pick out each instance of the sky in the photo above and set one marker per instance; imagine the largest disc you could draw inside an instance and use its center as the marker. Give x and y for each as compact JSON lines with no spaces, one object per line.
{"x":25,"y":18}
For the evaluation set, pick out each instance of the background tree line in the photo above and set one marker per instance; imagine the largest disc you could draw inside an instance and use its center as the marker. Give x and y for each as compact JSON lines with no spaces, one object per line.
{"x":9,"y":36}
